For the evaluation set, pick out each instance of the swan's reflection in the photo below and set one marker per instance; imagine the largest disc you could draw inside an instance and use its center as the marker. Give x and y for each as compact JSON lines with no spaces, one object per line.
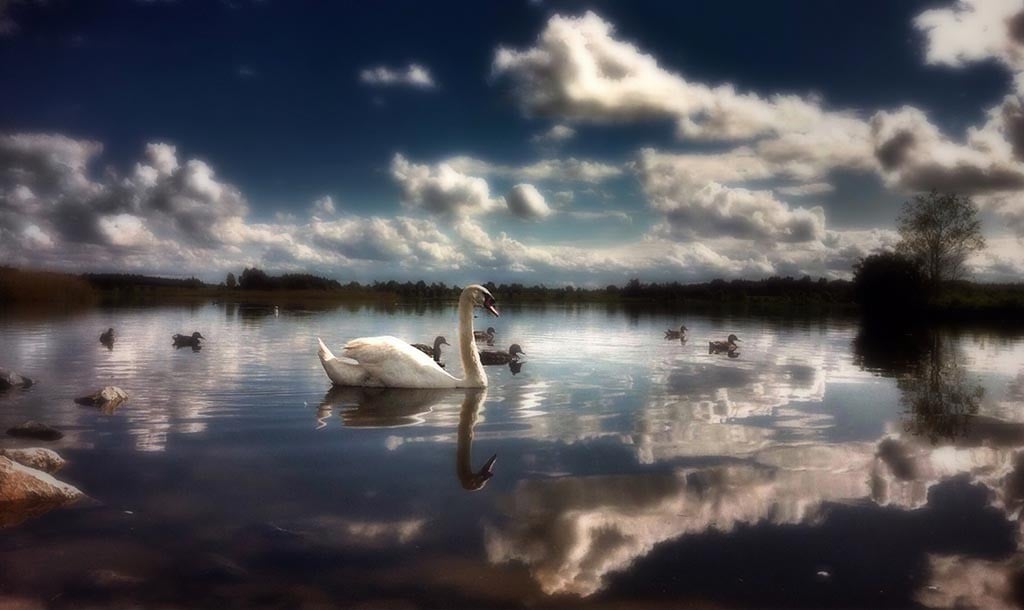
{"x":383,"y":407}
{"x":470,"y":479}
{"x":323,"y":411}
{"x":393,"y":407}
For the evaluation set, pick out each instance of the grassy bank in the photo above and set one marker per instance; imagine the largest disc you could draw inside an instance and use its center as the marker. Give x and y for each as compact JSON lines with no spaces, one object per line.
{"x":158,"y":295}
{"x":44,"y":289}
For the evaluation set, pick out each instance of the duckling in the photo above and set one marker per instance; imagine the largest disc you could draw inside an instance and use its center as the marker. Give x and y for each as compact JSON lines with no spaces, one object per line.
{"x":107,"y":338}
{"x":512,"y":355}
{"x":188,"y":341}
{"x":729,"y":345}
{"x":488,"y":335}
{"x":433,"y":352}
{"x":676,"y":334}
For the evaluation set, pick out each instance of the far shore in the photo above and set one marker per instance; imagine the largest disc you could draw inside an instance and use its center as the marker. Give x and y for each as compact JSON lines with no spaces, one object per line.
{"x":43,"y":292}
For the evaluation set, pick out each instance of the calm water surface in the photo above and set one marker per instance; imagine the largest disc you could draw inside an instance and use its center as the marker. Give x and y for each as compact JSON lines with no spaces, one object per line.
{"x":823,"y":466}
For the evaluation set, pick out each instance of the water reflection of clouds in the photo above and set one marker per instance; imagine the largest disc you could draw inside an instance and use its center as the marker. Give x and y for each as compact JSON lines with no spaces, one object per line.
{"x":708,"y":443}
{"x":572,"y":531}
{"x":339,"y":531}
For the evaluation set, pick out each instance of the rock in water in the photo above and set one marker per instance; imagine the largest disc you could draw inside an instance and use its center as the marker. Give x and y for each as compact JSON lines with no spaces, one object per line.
{"x":10,"y":379}
{"x":39,"y":458}
{"x":26,"y":492}
{"x":34,"y":429}
{"x":107,"y":398}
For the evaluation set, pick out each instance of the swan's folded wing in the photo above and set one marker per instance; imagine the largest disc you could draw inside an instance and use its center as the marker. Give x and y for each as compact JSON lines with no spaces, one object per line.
{"x":374,"y":350}
{"x":395,"y":362}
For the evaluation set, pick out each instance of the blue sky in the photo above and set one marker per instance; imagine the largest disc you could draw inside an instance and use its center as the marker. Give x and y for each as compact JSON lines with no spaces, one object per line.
{"x":558,"y":142}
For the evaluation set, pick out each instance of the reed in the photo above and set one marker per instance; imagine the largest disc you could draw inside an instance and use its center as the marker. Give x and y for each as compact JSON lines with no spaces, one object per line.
{"x":44,"y":288}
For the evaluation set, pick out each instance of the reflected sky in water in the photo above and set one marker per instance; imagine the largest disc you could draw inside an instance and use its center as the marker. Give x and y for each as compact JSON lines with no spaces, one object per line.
{"x":825,"y":465}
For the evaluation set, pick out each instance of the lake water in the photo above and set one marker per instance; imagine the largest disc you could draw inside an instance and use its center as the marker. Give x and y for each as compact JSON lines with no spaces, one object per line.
{"x":822,"y":466}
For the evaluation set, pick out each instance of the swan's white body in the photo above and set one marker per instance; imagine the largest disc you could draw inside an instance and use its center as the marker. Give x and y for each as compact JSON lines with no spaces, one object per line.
{"x":388,"y":362}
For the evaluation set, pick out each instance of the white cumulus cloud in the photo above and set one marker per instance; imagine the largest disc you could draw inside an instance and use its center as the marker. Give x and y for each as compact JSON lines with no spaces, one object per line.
{"x":441,"y":189}
{"x":414,"y":75}
{"x":525,"y":201}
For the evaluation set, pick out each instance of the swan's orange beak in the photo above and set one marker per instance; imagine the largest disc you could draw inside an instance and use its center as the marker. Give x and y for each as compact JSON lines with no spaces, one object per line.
{"x":489,"y":306}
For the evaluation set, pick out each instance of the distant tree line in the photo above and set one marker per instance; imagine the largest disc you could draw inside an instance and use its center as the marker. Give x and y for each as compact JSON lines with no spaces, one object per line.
{"x":257,"y":279}
{"x":111,"y":281}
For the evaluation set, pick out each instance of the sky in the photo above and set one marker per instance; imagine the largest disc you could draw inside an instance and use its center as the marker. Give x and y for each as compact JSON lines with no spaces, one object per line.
{"x":579,"y":143}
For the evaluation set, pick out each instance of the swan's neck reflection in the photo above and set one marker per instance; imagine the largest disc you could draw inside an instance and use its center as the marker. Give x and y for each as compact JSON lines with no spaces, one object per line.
{"x":470,"y":479}
{"x":393,"y":407}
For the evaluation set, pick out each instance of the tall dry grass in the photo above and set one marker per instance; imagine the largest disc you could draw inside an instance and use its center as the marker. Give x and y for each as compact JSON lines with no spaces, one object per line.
{"x":43,"y":288}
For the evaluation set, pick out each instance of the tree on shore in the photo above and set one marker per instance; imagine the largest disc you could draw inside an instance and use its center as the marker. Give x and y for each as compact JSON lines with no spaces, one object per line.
{"x":230,"y":282}
{"x":939,"y":231}
{"x":888,"y":284}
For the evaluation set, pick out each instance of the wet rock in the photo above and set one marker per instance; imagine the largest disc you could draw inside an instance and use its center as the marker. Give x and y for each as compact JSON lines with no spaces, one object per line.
{"x":36,"y":430}
{"x":106,"y":398}
{"x":39,"y":458}
{"x":26,"y":492}
{"x":10,"y":379}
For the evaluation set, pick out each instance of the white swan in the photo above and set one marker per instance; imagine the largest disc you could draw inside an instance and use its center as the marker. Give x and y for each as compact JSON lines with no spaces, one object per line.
{"x":392,"y":363}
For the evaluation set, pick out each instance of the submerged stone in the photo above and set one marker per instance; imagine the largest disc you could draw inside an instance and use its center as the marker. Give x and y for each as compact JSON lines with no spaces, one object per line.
{"x":36,"y":430}
{"x":106,"y":398}
{"x":10,"y":379}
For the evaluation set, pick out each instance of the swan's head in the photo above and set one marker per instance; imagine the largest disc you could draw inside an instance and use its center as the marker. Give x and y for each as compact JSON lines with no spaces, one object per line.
{"x":733,"y":339}
{"x":482,"y":297}
{"x":479,"y":478}
{"x":683,"y":329}
{"x":440,"y":341}
{"x":515,"y":350}
{"x":197,"y":336}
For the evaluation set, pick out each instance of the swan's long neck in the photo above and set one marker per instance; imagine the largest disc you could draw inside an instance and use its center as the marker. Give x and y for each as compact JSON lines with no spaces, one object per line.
{"x":471,"y":367}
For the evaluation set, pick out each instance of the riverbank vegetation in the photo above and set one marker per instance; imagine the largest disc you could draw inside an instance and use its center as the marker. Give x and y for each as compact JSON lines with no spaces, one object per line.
{"x":884,"y":283}
{"x":923,"y":278}
{"x":43,"y":289}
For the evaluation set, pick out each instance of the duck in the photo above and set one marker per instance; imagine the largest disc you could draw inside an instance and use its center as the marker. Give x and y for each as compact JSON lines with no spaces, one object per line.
{"x":433,"y":352}
{"x":392,"y":363}
{"x":488,"y":335}
{"x":187,"y":340}
{"x":729,"y":345}
{"x":107,"y":338}
{"x":499,"y":357}
{"x":676,"y":334}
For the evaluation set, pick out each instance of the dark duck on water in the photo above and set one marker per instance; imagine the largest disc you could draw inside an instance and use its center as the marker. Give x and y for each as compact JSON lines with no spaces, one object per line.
{"x":188,"y":340}
{"x":676,"y":334}
{"x":435,"y":351}
{"x":499,"y":357}
{"x":729,"y":345}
